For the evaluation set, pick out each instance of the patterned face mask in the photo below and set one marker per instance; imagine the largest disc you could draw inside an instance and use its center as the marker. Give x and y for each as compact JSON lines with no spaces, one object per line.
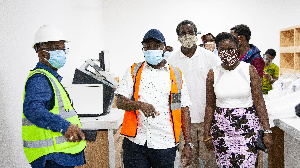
{"x":229,"y":57}
{"x":188,"y":40}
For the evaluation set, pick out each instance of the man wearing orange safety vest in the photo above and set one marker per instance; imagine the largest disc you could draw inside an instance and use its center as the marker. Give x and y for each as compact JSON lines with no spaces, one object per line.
{"x":156,"y":103}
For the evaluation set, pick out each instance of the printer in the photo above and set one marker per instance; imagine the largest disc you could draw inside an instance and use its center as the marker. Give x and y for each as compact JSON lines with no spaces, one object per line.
{"x":92,"y":89}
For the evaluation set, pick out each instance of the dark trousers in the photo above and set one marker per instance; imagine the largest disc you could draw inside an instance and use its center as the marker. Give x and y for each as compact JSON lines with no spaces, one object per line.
{"x":52,"y":164}
{"x":138,"y":156}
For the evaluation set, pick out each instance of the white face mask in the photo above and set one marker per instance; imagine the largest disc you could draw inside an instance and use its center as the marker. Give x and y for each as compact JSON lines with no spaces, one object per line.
{"x":210,"y":46}
{"x":229,"y":57}
{"x":188,"y":41}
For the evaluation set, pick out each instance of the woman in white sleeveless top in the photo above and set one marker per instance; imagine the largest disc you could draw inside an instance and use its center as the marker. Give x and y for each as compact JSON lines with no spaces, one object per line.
{"x":235,"y":108}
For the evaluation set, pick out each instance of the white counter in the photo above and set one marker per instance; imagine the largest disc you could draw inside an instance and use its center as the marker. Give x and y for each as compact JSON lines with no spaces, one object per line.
{"x":113,"y":120}
{"x":283,"y":107}
{"x":291,"y":128}
{"x":281,"y":112}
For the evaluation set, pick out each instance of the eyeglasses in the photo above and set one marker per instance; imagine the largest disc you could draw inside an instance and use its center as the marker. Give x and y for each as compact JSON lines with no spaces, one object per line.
{"x":66,"y":50}
{"x":53,"y":46}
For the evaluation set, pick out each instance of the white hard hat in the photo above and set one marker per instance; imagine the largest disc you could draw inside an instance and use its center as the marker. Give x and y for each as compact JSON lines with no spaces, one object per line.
{"x":48,"y":33}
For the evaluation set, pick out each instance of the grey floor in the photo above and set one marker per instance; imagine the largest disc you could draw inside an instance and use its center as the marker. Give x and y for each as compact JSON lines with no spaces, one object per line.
{"x":177,"y":163}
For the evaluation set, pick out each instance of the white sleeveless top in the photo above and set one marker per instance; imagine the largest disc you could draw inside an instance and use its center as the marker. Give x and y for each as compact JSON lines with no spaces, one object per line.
{"x":232,"y":88}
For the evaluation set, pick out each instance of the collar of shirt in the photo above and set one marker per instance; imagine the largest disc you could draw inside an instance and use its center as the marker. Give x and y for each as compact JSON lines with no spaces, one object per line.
{"x":165,"y":67}
{"x":270,"y":65}
{"x":40,"y":65}
{"x":195,"y":54}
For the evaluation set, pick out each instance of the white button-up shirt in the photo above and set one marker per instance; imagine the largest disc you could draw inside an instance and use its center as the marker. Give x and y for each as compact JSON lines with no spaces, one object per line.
{"x":155,"y":87}
{"x":195,"y":70}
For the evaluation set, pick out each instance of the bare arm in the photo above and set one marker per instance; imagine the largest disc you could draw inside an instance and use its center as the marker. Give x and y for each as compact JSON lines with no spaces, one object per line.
{"x":186,"y":130}
{"x":210,"y":103}
{"x":258,"y":100}
{"x":259,"y":104}
{"x":186,"y":124}
{"x":269,"y":78}
{"x":273,"y":80}
{"x":124,"y":103}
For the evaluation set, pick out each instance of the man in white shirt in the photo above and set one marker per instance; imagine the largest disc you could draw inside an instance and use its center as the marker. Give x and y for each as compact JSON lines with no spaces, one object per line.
{"x":156,"y":100}
{"x":195,"y":62}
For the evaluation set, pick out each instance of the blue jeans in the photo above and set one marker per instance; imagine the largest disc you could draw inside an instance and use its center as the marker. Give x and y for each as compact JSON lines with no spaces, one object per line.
{"x":138,"y":156}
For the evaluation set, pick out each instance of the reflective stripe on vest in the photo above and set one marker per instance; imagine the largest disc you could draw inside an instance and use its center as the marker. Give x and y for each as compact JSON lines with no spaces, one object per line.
{"x":62,"y":112}
{"x":44,"y":143}
{"x":135,"y":70}
{"x":176,"y":97}
{"x":130,"y":117}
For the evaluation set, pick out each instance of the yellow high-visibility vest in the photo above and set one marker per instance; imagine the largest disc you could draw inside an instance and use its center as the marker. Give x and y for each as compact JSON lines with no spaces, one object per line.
{"x":38,"y":142}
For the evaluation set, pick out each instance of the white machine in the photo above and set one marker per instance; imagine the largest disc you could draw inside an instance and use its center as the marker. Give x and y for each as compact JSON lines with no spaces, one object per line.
{"x":87,"y":98}
{"x":92,"y":90}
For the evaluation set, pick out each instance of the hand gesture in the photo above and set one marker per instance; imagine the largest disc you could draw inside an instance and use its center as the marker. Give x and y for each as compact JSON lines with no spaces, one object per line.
{"x":267,"y":76}
{"x":186,"y":156}
{"x":148,"y":110}
{"x":209,"y":145}
{"x":74,"y":134}
{"x":267,"y":141}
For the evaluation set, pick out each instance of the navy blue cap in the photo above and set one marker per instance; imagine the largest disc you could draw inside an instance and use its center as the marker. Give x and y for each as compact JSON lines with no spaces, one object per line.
{"x":154,"y":34}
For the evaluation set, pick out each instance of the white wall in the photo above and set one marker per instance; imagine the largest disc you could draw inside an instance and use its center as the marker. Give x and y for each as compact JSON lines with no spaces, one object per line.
{"x":82,"y":24}
{"x":126,"y":22}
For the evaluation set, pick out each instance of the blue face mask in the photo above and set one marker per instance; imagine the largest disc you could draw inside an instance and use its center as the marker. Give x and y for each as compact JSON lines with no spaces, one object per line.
{"x":57,"y":58}
{"x":153,"y":57}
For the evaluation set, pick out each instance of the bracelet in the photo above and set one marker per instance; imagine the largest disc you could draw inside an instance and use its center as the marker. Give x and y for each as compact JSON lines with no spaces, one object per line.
{"x":205,"y":140}
{"x":268,"y":131}
{"x":191,"y":145}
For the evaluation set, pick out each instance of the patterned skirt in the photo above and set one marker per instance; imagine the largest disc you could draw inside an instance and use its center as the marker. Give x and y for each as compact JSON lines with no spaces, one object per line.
{"x":234,"y":132}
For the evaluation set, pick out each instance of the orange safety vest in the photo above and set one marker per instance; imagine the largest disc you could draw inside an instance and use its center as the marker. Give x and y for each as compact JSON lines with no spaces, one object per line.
{"x":130,"y":121}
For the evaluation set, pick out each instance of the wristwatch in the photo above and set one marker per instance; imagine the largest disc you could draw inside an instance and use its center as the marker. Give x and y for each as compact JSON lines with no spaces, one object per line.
{"x":191,"y":145}
{"x":268,"y":131}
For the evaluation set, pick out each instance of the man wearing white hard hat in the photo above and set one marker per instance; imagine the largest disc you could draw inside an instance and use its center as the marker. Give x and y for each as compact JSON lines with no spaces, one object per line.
{"x":51,"y":129}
